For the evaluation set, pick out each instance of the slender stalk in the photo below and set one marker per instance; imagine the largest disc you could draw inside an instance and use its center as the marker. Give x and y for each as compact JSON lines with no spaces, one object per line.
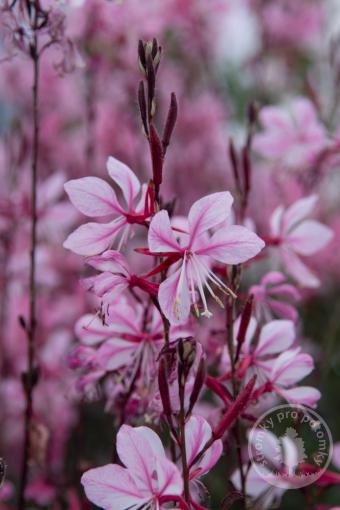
{"x":185,"y":468}
{"x":31,"y":326}
{"x":236,"y":428}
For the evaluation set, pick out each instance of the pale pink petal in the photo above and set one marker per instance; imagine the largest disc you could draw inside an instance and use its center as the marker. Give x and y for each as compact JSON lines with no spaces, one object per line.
{"x":169,"y":480}
{"x":273,"y":278}
{"x":91,"y":331}
{"x":92,"y":196}
{"x":305,"y":395}
{"x":276,"y":221}
{"x":111,"y":487}
{"x":284,"y":290}
{"x":174,"y":298}
{"x":138,"y":452}
{"x":111,"y":260}
{"x":197,"y":433}
{"x":123,"y":319}
{"x":298,"y":211}
{"x":93,"y":238}
{"x":161,"y":237}
{"x":298,"y":270}
{"x":208,"y":212}
{"x":275,"y":336}
{"x":283,"y":309}
{"x":109,"y":285}
{"x":336,"y":455}
{"x":124,"y":178}
{"x":304,"y":112}
{"x":275,"y":117}
{"x":51,"y":189}
{"x":116,"y":353}
{"x":270,"y":445}
{"x":233,"y":246}
{"x":309,"y":237}
{"x":290,"y":367}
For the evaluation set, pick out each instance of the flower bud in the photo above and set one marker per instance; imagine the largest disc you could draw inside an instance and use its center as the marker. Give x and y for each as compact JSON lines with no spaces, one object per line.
{"x":235,"y":410}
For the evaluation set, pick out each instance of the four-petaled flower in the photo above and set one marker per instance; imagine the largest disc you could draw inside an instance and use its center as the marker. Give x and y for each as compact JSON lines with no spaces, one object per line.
{"x":274,"y":296}
{"x":295,"y":236}
{"x":261,"y":347}
{"x":94,"y":197}
{"x":287,"y":370}
{"x":232,"y":245}
{"x":147,"y":480}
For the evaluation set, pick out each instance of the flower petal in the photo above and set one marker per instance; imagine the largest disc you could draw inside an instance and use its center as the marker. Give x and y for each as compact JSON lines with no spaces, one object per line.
{"x":305,"y":395}
{"x":276,"y":336}
{"x":174,"y":298}
{"x":208,"y":212}
{"x":233,"y":246}
{"x":309,"y":237}
{"x":111,"y":260}
{"x":124,"y":178}
{"x":91,"y":331}
{"x":92,"y":196}
{"x":93,"y":238}
{"x":109,"y":286}
{"x":276,"y":221}
{"x":161,"y":237}
{"x":111,"y":487}
{"x":116,"y":353}
{"x":138,"y":449}
{"x":298,"y":211}
{"x":298,"y":270}
{"x":197,"y":434}
{"x":290,"y":367}
{"x":169,"y":479}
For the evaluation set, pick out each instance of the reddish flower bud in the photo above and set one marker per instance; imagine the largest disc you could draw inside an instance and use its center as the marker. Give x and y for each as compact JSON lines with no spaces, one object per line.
{"x":198,"y":384}
{"x":142,"y":107}
{"x":246,"y":170}
{"x":234,"y":163}
{"x":164,"y":387}
{"x":235,"y":410}
{"x":170,"y":122}
{"x":245,"y":319}
{"x":156,"y":156}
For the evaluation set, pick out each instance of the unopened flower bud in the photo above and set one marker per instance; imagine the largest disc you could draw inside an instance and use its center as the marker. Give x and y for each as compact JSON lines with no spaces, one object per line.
{"x":164,"y":387}
{"x":235,"y":410}
{"x":198,"y":384}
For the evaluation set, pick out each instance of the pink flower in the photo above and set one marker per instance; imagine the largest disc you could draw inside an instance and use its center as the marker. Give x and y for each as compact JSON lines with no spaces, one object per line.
{"x":147,"y":478}
{"x":261,"y":347}
{"x":197,"y":433}
{"x":294,"y":235}
{"x":129,"y":337}
{"x":270,"y":297}
{"x":292,"y":135}
{"x":116,"y":277}
{"x":231,"y":245}
{"x":288,"y":369}
{"x":94,"y":197}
